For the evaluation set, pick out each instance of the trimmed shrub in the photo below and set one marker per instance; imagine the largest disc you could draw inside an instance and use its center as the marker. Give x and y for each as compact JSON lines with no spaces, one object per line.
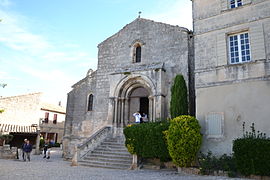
{"x":184,"y":140}
{"x":210,"y":164}
{"x":147,"y":140}
{"x":252,"y":153}
{"x":179,"y":101}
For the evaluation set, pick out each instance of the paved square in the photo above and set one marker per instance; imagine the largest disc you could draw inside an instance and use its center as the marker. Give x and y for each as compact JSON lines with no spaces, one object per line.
{"x":57,"y":169}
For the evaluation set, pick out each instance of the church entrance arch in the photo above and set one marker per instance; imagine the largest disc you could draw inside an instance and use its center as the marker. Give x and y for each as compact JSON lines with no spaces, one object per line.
{"x":138,"y":102}
{"x":133,"y":94}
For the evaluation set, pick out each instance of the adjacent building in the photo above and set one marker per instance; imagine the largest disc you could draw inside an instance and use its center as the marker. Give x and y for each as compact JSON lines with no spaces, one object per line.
{"x":232,"y":69}
{"x":27,"y":116}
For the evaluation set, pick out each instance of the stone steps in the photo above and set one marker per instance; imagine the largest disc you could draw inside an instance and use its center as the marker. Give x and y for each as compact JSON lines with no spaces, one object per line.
{"x":111,"y":153}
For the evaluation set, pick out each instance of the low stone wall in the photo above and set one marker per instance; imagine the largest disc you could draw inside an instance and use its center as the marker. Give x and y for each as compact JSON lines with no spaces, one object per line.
{"x":8,"y":153}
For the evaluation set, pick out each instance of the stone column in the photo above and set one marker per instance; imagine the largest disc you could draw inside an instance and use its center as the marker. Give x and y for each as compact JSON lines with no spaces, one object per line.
{"x":122,"y":112}
{"x":118,"y":122}
{"x":126,"y":112}
{"x":111,"y":110}
{"x":37,"y":151}
{"x":115,"y":112}
{"x":150,"y":115}
{"x":154,"y":108}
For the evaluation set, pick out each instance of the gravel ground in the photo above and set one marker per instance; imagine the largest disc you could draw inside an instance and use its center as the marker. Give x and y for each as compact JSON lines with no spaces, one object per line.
{"x":57,"y":169}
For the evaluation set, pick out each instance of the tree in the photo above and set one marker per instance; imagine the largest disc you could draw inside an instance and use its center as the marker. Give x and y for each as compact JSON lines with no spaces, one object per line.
{"x":2,"y":85}
{"x":179,"y":101}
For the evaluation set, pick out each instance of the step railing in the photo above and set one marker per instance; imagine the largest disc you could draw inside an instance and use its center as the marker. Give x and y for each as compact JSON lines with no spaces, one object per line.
{"x":92,"y":142}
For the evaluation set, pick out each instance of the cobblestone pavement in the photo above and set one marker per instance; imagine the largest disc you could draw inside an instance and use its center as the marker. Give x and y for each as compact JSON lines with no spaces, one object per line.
{"x":57,"y":169}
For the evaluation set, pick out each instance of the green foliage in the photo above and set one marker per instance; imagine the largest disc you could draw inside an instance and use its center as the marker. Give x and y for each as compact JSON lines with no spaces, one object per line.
{"x":209,"y":164}
{"x":56,"y":145}
{"x":6,"y":137}
{"x":3,"y":85}
{"x":127,"y":73}
{"x":252,"y":153}
{"x":147,"y":140}
{"x":179,"y":101}
{"x":184,"y":140}
{"x":2,"y":110}
{"x":41,"y":142}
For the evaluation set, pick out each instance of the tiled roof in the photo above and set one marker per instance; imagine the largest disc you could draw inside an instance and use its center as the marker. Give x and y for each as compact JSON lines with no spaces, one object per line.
{"x":53,"y":108}
{"x":17,"y":128}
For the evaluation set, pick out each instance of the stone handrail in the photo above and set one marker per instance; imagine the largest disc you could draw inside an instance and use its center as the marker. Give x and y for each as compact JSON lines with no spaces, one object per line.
{"x":93,"y":141}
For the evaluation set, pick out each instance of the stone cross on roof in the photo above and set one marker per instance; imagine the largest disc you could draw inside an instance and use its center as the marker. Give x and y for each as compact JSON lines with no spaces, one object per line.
{"x":139,"y":14}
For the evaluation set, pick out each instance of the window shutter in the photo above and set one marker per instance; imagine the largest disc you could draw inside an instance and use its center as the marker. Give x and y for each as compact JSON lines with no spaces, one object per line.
{"x":215,"y":125}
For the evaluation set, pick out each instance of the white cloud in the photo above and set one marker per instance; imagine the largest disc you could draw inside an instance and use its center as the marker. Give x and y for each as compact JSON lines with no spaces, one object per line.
{"x":5,"y":3}
{"x":41,"y":63}
{"x":6,"y":76}
{"x":16,"y":36}
{"x":173,"y":12}
{"x":66,"y":56}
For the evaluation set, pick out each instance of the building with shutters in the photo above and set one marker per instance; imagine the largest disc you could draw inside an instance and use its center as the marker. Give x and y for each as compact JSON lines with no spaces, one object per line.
{"x":27,"y":116}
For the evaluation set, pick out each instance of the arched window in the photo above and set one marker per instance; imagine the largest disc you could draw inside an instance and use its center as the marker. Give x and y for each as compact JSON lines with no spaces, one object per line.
{"x":90,"y":102}
{"x":138,"y":53}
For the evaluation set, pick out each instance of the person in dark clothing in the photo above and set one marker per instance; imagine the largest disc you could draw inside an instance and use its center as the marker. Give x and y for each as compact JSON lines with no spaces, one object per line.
{"x":27,"y":148}
{"x":46,"y":149}
{"x":23,"y":153}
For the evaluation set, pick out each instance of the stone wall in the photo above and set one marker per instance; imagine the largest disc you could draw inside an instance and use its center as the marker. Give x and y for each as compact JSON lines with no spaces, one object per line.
{"x":8,"y":153}
{"x":164,"y":54}
{"x":20,"y":110}
{"x":161,"y":43}
{"x":231,"y":94}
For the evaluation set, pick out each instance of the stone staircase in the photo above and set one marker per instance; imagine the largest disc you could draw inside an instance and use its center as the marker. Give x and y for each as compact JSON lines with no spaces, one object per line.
{"x":111,"y":153}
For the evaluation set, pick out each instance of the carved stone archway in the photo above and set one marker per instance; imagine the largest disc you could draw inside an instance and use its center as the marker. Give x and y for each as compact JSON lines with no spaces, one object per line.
{"x":122,"y":99}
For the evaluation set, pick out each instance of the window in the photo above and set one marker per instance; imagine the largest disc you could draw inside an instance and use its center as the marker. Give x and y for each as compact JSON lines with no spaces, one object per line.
{"x":215,"y":125}
{"x":138,"y":54}
{"x":235,"y":3}
{"x":90,"y":102}
{"x":46,"y":119}
{"x":239,"y":48}
{"x":54,"y":118}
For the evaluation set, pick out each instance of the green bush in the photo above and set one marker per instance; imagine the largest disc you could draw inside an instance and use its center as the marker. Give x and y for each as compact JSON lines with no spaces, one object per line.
{"x":252,"y":153}
{"x":147,"y":140}
{"x":6,"y":137}
{"x":184,"y":140}
{"x":179,"y":102}
{"x":209,"y":164}
{"x":56,"y":145}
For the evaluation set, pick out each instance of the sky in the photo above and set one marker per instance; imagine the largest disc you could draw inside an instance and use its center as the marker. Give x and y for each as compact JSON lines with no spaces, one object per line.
{"x":47,"y":46}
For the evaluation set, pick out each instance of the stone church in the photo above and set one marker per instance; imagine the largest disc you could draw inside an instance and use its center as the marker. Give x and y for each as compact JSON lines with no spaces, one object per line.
{"x":136,"y":67}
{"x":225,"y":62}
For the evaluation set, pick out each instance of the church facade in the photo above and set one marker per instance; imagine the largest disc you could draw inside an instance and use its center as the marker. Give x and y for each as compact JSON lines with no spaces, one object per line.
{"x":136,"y":67}
{"x":225,"y":62}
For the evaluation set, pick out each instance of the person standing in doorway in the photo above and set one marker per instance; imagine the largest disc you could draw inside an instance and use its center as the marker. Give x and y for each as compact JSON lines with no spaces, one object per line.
{"x":27,"y":148}
{"x":137,"y":116}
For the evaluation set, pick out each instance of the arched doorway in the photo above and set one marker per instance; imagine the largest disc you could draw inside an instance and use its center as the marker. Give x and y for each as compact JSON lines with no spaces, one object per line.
{"x":139,"y":101}
{"x":133,"y":94}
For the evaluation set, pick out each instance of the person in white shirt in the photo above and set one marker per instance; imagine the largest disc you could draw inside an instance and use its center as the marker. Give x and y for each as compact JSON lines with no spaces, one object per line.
{"x":137,"y":116}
